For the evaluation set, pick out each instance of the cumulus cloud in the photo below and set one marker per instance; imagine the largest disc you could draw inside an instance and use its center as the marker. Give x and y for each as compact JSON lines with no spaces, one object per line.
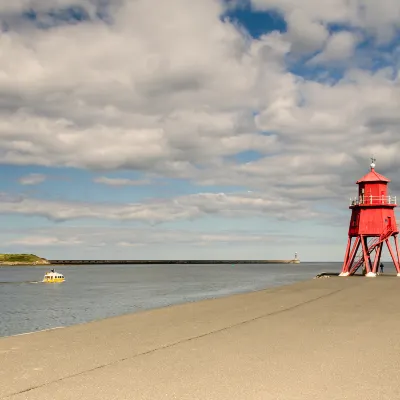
{"x":181,"y":99}
{"x":304,"y":34}
{"x":45,"y":12}
{"x":380,"y":19}
{"x":182,"y":95}
{"x":339,"y":47}
{"x":32,"y":179}
{"x":121,"y":181}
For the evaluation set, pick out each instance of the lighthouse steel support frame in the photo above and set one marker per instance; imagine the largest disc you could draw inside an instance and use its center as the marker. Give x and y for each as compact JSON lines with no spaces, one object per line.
{"x":350,"y":266}
{"x":377,"y":260}
{"x":369,"y":215}
{"x":350,"y":255}
{"x":396,"y":243}
{"x":395,"y":262}
{"x":347,"y":253}
{"x":367,"y":261}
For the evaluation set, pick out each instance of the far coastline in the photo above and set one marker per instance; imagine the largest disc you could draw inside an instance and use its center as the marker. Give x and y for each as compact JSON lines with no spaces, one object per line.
{"x":34,"y":260}
{"x":22,"y":260}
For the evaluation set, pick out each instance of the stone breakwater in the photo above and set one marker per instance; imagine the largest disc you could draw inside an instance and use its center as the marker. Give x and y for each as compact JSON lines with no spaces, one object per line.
{"x":155,"y":262}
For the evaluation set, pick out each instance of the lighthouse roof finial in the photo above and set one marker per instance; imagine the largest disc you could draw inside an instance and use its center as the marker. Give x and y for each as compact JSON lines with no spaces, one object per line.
{"x":373,"y":159}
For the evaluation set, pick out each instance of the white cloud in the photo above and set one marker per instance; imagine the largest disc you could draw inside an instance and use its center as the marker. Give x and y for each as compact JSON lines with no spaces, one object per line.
{"x":183,"y":94}
{"x":339,"y":47}
{"x":32,"y":179}
{"x":197,"y":238}
{"x":378,"y":18}
{"x":121,"y":181}
{"x":305,"y":35}
{"x":329,"y":10}
{"x":44,"y":241}
{"x":173,"y":94}
{"x":130,"y":244}
{"x":163,"y":210}
{"x":143,"y":237}
{"x":14,"y":9}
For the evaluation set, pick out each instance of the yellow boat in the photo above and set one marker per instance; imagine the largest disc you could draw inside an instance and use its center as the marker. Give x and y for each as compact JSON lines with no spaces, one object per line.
{"x":53,"y":277}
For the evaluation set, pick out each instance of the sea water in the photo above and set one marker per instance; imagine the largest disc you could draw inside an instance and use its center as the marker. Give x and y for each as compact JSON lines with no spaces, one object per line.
{"x":92,"y":292}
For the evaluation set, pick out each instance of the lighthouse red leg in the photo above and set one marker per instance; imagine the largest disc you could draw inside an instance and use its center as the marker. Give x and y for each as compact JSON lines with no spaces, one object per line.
{"x":366,"y":258}
{"x":351,"y":257}
{"x":346,"y":257}
{"x":397,"y":251}
{"x":380,"y":253}
{"x":377,"y":258}
{"x":350,"y":269}
{"x":393,"y":256}
{"x":368,"y":254}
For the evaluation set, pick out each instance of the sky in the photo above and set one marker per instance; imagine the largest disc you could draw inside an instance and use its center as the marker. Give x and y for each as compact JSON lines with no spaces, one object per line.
{"x":180,"y":129}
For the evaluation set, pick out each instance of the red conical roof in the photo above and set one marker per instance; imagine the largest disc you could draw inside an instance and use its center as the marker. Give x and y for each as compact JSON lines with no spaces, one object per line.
{"x":373,"y":176}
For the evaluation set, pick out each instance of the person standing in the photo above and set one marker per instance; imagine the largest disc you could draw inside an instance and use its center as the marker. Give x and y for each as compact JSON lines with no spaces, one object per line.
{"x":381,"y":267}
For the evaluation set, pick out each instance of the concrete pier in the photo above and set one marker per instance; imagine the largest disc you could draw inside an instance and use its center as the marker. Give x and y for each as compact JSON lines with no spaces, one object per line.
{"x":154,"y":262}
{"x":331,"y":339}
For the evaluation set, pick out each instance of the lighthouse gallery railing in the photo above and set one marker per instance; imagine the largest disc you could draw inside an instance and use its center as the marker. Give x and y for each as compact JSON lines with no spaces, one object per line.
{"x":372,"y":200}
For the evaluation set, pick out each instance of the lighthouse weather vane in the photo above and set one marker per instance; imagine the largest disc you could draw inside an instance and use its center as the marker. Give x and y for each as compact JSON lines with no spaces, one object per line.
{"x":373,"y":159}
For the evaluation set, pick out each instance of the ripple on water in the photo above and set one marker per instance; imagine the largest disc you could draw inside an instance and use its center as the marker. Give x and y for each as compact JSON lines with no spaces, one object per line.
{"x":99,"y":291}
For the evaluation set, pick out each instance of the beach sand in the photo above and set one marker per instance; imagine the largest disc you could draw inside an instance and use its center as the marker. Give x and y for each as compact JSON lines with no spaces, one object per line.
{"x":331,"y":338}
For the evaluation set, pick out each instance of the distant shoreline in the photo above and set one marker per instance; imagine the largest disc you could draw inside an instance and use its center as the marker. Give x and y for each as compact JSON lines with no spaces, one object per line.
{"x":33,"y":260}
{"x":22,"y":259}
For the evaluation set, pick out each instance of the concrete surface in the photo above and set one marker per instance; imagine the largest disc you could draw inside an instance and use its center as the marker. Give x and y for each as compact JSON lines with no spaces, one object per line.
{"x":332,"y":338}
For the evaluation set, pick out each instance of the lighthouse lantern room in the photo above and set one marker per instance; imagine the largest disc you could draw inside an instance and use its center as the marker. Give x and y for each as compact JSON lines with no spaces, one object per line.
{"x":372,"y":224}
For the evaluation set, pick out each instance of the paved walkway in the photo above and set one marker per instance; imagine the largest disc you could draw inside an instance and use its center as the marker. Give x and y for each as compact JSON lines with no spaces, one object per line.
{"x":333,"y":338}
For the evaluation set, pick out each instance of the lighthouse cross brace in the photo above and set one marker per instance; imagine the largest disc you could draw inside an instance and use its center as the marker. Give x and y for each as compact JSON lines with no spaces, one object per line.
{"x":372,"y":225}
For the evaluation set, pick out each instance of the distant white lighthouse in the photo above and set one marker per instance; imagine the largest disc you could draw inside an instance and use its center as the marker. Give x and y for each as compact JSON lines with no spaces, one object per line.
{"x":296,"y":259}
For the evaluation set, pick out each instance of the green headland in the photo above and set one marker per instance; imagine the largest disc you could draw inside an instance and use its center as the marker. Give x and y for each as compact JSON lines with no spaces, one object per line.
{"x":22,"y":259}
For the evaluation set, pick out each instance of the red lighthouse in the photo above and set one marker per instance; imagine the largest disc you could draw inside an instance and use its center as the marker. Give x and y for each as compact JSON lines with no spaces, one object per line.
{"x":372,"y":224}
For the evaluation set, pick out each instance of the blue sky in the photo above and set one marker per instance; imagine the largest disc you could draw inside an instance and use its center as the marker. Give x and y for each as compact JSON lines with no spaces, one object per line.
{"x":238,"y":131}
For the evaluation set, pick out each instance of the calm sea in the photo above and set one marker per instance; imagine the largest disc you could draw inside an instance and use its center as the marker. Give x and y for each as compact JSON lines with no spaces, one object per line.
{"x":98,"y":291}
